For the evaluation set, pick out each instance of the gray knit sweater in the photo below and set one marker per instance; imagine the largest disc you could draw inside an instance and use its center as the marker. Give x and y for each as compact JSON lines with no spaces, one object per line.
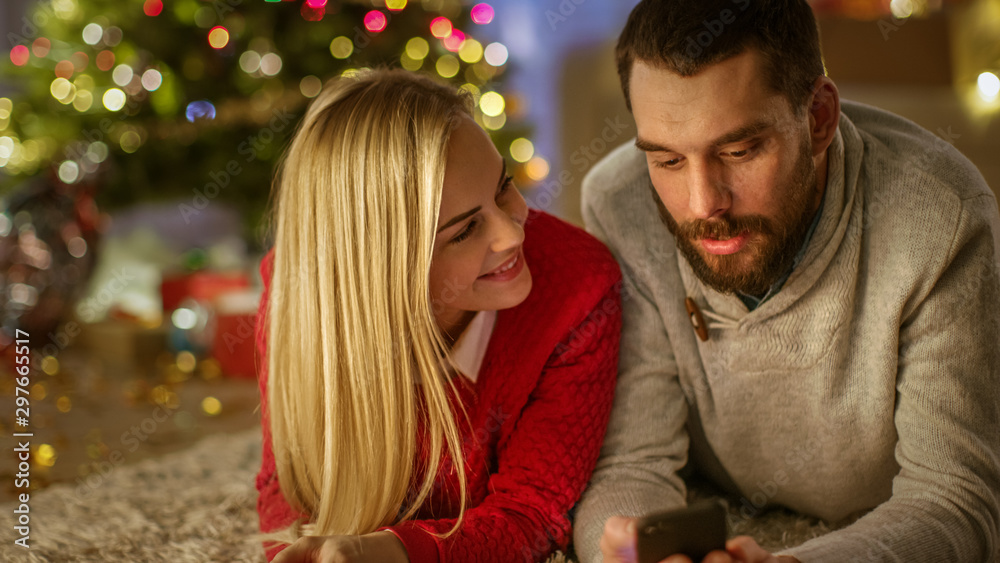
{"x":869,"y":385}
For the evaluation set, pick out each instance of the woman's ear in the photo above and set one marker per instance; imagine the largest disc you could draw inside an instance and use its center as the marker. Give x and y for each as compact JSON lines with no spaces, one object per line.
{"x":824,"y":114}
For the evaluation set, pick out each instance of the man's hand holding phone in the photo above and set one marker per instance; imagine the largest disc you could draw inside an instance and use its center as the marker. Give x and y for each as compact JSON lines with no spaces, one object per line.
{"x":677,"y":536}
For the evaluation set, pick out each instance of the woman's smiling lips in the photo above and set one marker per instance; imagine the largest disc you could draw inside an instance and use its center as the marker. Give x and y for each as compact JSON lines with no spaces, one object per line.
{"x":508,"y":270}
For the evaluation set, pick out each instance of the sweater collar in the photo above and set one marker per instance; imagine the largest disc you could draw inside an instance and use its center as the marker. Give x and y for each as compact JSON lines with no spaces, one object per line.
{"x":469,"y":350}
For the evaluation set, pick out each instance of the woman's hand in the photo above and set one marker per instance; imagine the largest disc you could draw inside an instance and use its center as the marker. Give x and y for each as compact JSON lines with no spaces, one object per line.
{"x":377,"y":547}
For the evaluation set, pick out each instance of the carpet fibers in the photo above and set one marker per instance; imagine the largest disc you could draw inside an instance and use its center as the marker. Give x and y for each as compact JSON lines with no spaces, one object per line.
{"x":198,"y":505}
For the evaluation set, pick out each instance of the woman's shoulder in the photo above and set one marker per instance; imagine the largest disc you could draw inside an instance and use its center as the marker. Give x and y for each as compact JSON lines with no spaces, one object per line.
{"x":565,"y":255}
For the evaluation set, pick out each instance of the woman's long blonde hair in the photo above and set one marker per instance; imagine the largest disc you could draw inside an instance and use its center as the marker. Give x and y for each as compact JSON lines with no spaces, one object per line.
{"x":355,"y":359}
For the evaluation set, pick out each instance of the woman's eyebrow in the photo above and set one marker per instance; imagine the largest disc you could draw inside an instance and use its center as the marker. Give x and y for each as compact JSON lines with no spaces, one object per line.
{"x":462,"y":216}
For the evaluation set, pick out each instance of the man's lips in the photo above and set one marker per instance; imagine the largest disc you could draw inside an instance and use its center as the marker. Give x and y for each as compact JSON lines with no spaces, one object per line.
{"x":725,"y":247}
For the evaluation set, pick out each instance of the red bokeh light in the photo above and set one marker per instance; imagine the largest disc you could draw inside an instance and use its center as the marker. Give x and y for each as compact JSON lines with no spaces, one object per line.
{"x":19,"y":55}
{"x":375,"y":21}
{"x":153,"y":8}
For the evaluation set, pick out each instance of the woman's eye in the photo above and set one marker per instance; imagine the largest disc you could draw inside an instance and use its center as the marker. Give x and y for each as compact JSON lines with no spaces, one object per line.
{"x":505,"y":187}
{"x":466,"y":233}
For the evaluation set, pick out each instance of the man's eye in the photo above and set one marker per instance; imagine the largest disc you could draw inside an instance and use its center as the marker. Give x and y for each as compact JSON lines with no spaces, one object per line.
{"x":668,"y":163}
{"x":742,"y":153}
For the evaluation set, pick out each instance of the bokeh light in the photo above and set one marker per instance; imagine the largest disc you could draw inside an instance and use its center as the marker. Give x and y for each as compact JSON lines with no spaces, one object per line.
{"x":40,"y":47}
{"x":901,"y":9}
{"x":152,"y":79}
{"x":114,"y":99}
{"x":310,"y":86}
{"x":186,"y":361}
{"x":270,"y":64}
{"x":454,"y":41}
{"x":152,"y":8}
{"x":218,"y":37}
{"x":45,"y":456}
{"x":250,"y":62}
{"x":19,"y":55}
{"x":77,"y":247}
{"x":341,"y":47}
{"x":482,"y":14}
{"x":122,"y":75}
{"x":495,"y":54}
{"x":201,"y":109}
{"x":537,"y":168}
{"x":447,"y":66}
{"x":471,"y":51}
{"x":492,"y":104}
{"x":105,"y":60}
{"x":80,"y":61}
{"x":522,"y":150}
{"x":441,"y":27}
{"x":60,"y":88}
{"x":83,"y":101}
{"x":417,"y":48}
{"x":988,"y":85}
{"x":50,"y":365}
{"x":395,"y":5}
{"x":494,"y":122}
{"x":375,"y":21}
{"x":211,"y":406}
{"x":184,"y":318}
{"x":64,"y":404}
{"x":92,"y":34}
{"x":69,"y":172}
{"x":64,"y":69}
{"x":130,"y":141}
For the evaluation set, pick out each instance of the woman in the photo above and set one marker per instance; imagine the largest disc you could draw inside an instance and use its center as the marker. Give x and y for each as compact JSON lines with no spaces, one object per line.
{"x":430,"y":397}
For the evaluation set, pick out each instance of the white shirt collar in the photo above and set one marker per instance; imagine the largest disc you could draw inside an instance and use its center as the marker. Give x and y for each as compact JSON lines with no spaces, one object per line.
{"x":470,"y":348}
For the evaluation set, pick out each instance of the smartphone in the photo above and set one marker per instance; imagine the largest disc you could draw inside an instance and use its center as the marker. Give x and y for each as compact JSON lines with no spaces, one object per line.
{"x":693,"y":531}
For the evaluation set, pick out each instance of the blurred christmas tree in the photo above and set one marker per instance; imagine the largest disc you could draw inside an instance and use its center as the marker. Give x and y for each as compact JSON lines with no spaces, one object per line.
{"x":193,"y":100}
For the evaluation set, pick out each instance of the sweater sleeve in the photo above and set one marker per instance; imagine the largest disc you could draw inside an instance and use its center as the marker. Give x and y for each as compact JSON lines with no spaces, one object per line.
{"x":944,"y":504}
{"x":646,"y":443}
{"x":546,"y":462}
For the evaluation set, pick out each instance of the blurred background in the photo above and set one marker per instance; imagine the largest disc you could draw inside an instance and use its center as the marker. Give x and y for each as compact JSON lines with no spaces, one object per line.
{"x":138,"y":139}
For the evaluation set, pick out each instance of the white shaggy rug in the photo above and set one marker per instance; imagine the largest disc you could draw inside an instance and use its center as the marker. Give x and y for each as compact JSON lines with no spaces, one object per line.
{"x":199,"y":506}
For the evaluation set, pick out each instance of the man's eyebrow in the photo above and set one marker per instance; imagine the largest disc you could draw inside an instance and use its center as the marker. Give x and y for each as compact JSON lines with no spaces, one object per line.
{"x":740,"y":134}
{"x":743,"y":133}
{"x":462,"y":216}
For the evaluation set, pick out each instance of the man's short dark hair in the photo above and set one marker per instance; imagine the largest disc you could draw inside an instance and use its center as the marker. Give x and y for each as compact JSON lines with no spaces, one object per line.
{"x":686,"y":36}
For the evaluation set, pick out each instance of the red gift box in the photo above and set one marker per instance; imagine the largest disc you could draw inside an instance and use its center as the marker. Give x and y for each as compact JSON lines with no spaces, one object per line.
{"x":233,"y":343}
{"x":202,"y":286}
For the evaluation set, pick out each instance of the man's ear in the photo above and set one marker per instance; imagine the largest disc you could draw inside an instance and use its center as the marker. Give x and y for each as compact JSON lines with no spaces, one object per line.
{"x":824,"y":114}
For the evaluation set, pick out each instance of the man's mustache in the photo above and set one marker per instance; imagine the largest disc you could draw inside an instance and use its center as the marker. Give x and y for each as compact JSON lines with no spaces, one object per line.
{"x":723,"y":227}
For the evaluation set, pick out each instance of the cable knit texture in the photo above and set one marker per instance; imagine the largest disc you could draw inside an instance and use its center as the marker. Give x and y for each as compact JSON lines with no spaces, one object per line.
{"x":867,"y":388}
{"x":539,"y":411}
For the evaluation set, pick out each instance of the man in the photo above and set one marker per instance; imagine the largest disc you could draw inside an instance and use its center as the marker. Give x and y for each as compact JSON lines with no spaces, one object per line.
{"x":810,"y":303}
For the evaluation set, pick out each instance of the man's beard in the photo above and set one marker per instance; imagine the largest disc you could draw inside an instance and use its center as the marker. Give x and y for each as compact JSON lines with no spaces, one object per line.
{"x":773,"y":243}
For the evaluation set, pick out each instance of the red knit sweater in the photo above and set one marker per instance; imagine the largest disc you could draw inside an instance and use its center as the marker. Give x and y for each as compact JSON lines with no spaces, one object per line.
{"x":539,"y":410}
